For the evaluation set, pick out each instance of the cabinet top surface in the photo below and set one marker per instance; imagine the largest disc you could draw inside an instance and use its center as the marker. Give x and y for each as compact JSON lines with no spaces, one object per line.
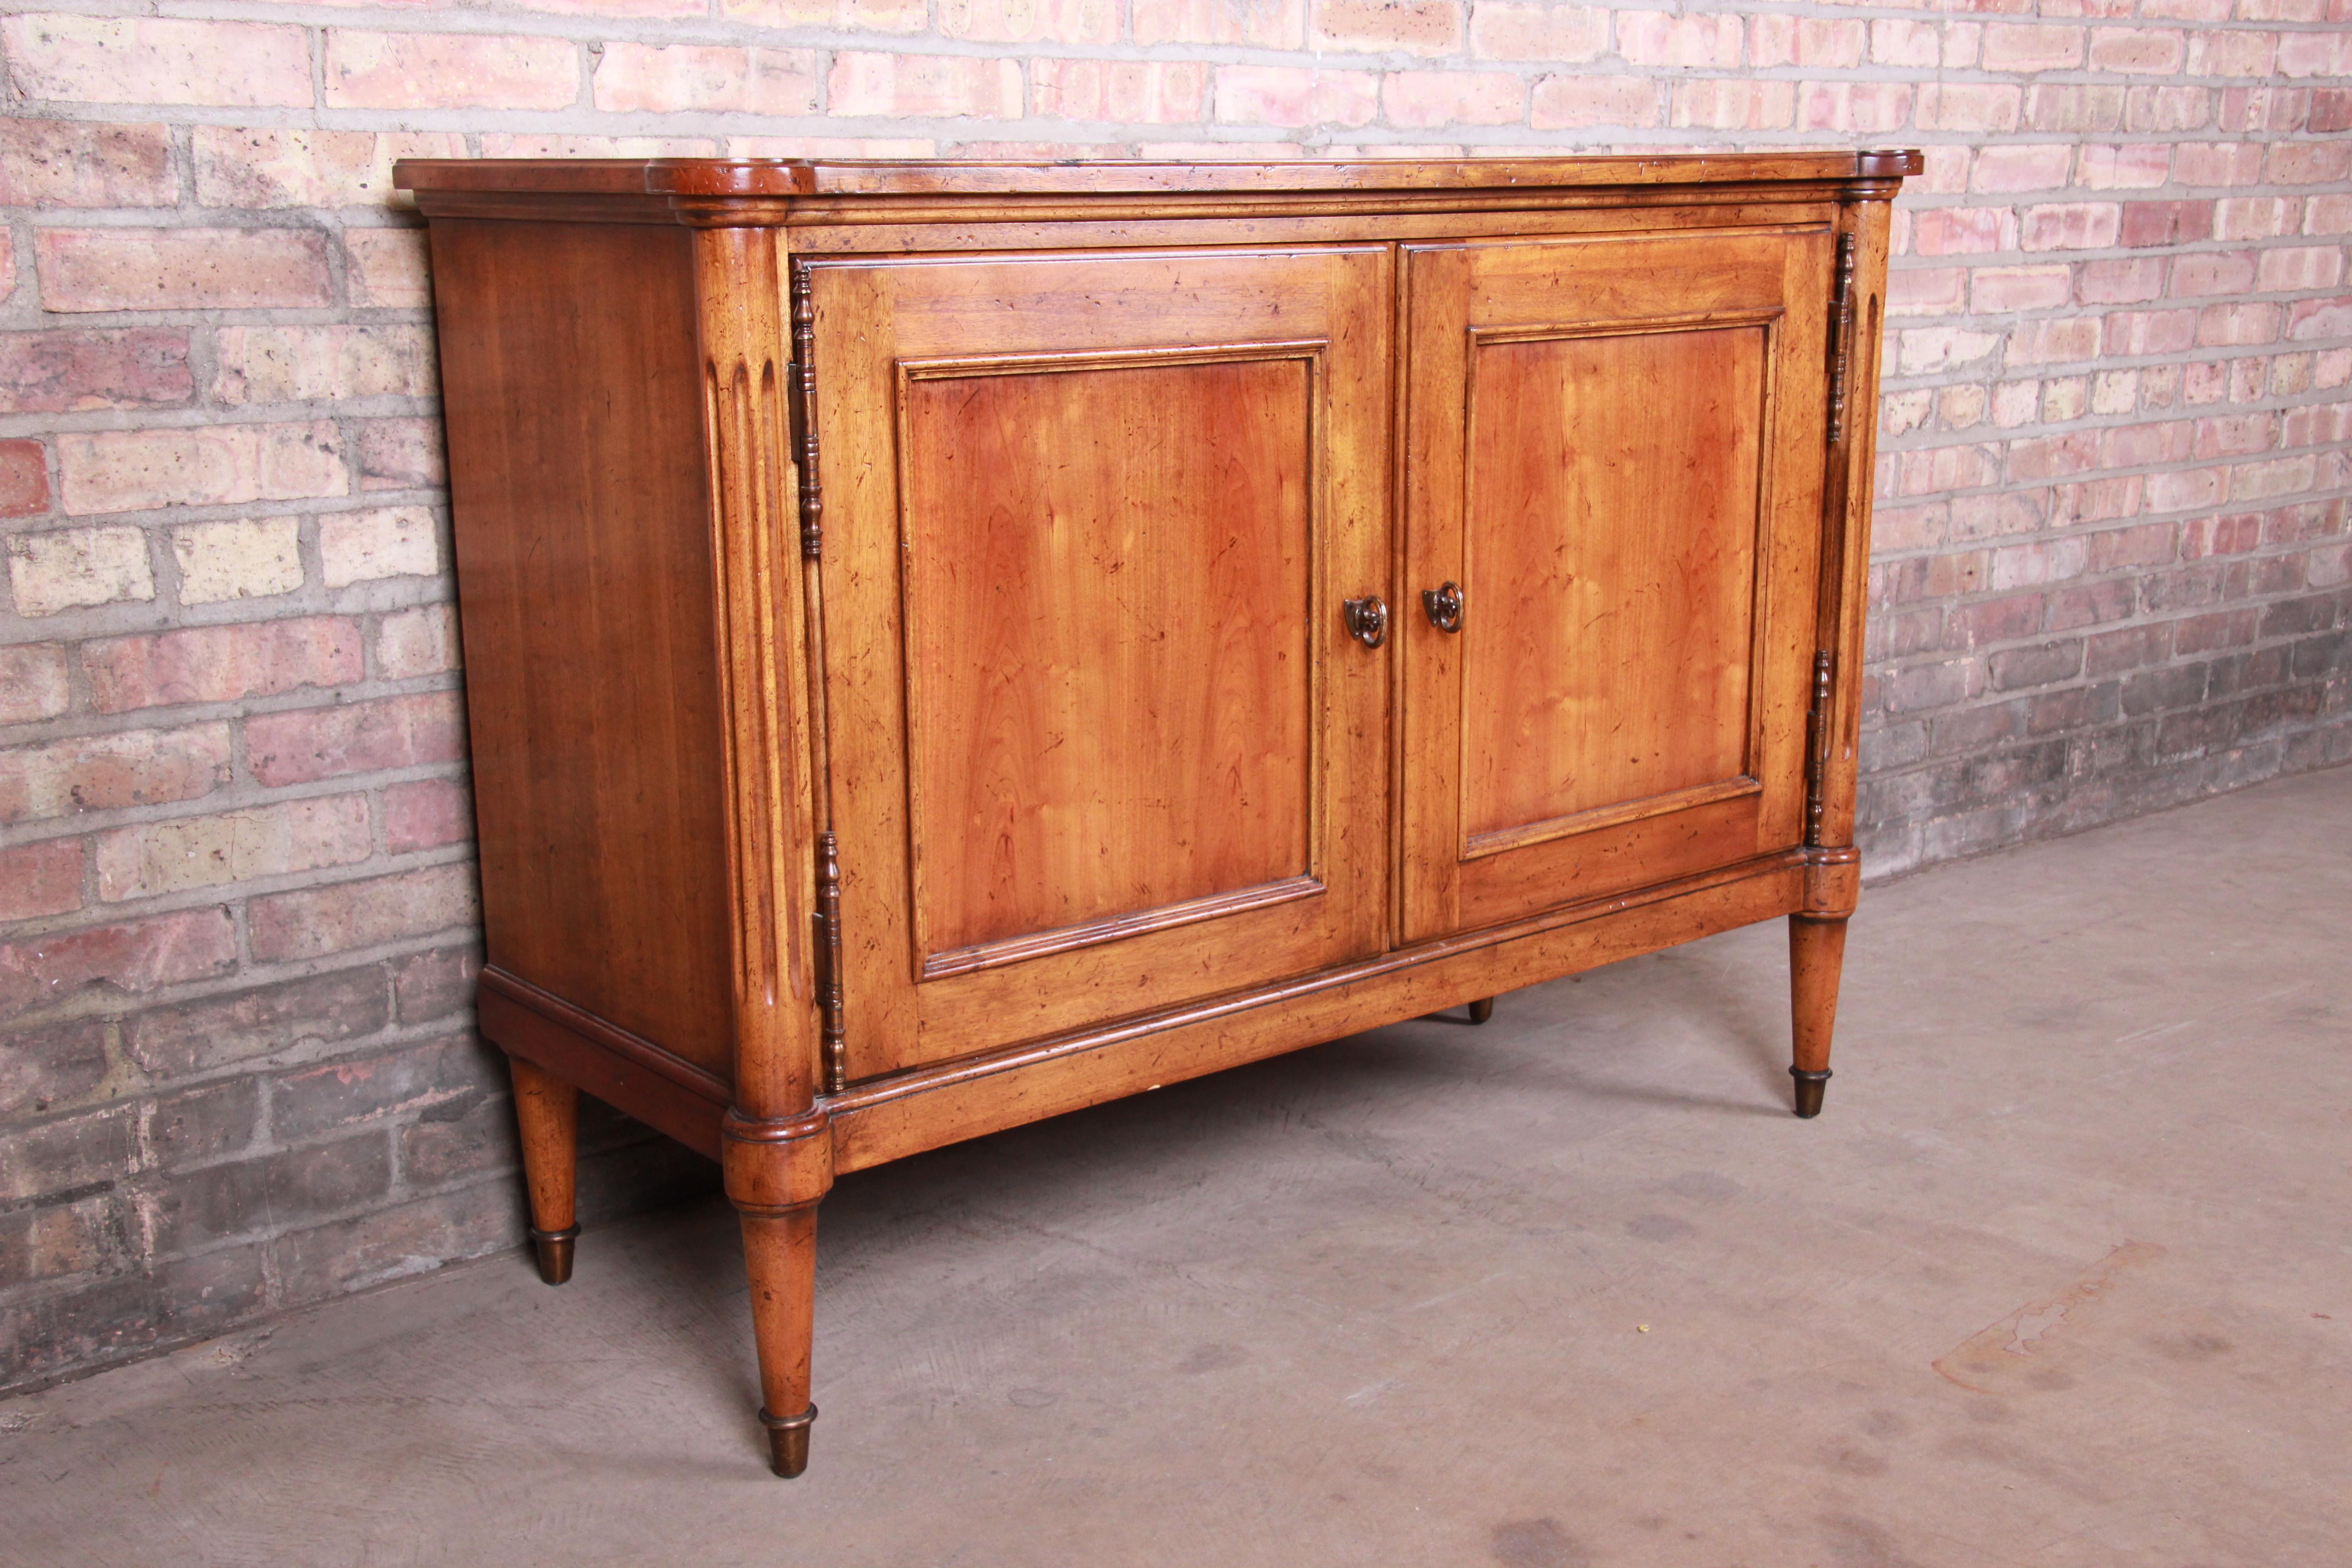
{"x":768,"y":178}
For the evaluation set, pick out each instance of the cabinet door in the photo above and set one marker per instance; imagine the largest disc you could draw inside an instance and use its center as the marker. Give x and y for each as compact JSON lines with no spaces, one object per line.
{"x":1101,"y":742}
{"x":1614,"y":452}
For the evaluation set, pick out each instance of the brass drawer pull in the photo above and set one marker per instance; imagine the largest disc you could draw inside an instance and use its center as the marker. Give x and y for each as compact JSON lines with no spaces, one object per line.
{"x":1444,"y":606}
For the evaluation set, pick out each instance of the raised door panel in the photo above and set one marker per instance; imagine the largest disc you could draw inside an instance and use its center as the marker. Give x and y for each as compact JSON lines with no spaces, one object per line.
{"x":1614,"y":454}
{"x":1099,"y":742}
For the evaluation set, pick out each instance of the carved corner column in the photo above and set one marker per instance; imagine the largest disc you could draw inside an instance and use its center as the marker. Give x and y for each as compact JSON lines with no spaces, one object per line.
{"x":1833,"y":865}
{"x":776,"y":1143}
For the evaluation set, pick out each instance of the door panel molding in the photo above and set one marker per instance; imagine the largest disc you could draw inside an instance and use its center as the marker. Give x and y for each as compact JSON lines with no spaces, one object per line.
{"x":1457,"y":302}
{"x":892,"y":330}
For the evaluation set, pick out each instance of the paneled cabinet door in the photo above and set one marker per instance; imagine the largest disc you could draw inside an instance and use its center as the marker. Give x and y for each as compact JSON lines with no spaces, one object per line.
{"x":1614,"y":464}
{"x":1101,"y":742}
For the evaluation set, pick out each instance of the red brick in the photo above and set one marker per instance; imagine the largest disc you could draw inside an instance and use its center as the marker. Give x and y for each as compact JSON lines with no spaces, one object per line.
{"x":2232,"y":535}
{"x":1995,"y":290}
{"x":181,"y":268}
{"x":402,"y":455}
{"x":2331,"y":111}
{"x":348,"y":915}
{"x":62,"y":373}
{"x":2066,"y":340}
{"x":295,"y":166}
{"x":1026,"y":21}
{"x":74,"y":163}
{"x":1265,"y":24}
{"x":1986,"y":621}
{"x":217,"y":465}
{"x":1680,"y":41}
{"x":2233,"y":54}
{"x":2015,"y":47}
{"x":2134,"y":166}
{"x":1135,"y":92}
{"x":2023,"y":166}
{"x":1553,"y":35}
{"x":1927,"y":291}
{"x":2120,"y":280}
{"x":2144,"y":51}
{"x":311,"y":743}
{"x":23,"y":479}
{"x":2082,"y":110}
{"x":1576,"y":102}
{"x":1376,"y":27}
{"x":2071,"y":225}
{"x":131,"y":958}
{"x":2134,"y":332}
{"x":2167,"y":111}
{"x":2212,"y":272}
{"x":224,"y":663}
{"x":923,"y":86}
{"x":45,"y":1067}
{"x":2315,"y":54}
{"x":1289,"y":95}
{"x":153,"y":59}
{"x":1729,"y":104}
{"x":108,"y":772}
{"x":1863,"y":106}
{"x":2298,"y":268}
{"x":2308,"y":162}
{"x":450,"y":70}
{"x":636,"y":78}
{"x":1419,"y":98}
{"x":2050,"y":456}
{"x":2146,"y":224}
{"x":217,"y":1031}
{"x":426,"y":813}
{"x":1968,"y":106}
{"x":2146,"y":446}
{"x":1961,"y":231}
{"x":2252,"y":217}
{"x":183,"y":853}
{"x":2217,"y":162}
{"x":43,"y":878}
{"x":2229,"y":326}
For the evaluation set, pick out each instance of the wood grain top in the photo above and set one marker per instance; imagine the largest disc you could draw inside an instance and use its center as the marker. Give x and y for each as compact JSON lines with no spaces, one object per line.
{"x":769,"y":178}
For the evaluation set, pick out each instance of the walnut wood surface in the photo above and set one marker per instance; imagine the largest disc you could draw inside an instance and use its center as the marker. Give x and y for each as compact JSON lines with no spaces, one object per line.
{"x":570,"y":377}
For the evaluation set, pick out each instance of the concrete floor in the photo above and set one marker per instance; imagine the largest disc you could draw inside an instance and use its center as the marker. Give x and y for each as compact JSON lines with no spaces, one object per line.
{"x":2062,"y":1278}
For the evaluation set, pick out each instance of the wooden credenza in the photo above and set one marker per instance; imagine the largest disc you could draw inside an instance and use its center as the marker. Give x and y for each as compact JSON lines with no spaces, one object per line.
{"x":950,"y":643}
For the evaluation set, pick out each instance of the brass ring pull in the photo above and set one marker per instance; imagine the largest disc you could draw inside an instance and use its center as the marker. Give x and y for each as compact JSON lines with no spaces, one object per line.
{"x":1444,"y":606}
{"x":1367,"y":618}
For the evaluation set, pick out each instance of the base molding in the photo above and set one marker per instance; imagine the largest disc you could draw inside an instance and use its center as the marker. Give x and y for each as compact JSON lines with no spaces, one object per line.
{"x":880,"y":1120}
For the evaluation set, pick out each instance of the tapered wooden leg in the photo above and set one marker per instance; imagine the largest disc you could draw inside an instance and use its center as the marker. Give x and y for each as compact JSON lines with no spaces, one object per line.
{"x":1816,"y":954}
{"x":780,"y":1255}
{"x":548,"y":1110}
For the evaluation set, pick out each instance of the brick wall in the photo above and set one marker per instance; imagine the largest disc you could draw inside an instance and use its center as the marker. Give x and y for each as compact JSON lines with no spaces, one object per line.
{"x":236,"y":1069}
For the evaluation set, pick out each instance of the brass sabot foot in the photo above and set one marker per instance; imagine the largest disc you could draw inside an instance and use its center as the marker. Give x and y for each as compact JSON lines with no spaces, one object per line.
{"x":554,"y":1251}
{"x":788,"y":1441}
{"x":1809,"y":1087}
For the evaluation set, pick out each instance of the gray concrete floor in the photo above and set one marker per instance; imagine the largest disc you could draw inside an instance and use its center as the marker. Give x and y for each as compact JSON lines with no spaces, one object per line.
{"x":2062,"y":1278}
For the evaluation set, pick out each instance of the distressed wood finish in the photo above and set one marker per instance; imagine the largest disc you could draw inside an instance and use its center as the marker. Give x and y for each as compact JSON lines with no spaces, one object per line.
{"x":1615,"y":447}
{"x":1105,"y":640}
{"x":951,"y":644}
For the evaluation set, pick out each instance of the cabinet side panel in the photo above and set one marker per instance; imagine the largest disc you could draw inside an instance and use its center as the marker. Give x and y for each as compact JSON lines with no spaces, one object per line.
{"x":569,"y":375}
